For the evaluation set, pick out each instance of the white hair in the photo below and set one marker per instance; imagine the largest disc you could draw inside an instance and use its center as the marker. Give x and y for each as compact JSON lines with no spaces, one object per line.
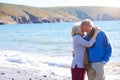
{"x":76,"y":29}
{"x":78,"y":24}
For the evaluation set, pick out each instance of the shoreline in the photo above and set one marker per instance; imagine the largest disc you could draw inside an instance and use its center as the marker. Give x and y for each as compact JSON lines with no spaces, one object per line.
{"x":112,"y":72}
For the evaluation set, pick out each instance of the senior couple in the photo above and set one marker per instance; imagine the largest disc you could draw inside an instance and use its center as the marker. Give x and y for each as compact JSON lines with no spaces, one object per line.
{"x":90,"y":52}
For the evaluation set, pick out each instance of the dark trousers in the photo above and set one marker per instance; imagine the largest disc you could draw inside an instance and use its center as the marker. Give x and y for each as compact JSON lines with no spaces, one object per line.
{"x":78,"y":73}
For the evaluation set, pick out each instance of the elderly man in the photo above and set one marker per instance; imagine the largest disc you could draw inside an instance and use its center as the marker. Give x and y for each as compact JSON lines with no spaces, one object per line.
{"x":99,"y":53}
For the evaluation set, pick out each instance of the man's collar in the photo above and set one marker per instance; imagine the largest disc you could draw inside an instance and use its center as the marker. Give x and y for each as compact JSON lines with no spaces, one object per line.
{"x":91,"y":32}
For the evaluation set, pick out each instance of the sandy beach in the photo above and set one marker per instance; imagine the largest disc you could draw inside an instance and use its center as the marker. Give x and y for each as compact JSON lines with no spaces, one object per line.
{"x":8,"y":73}
{"x":112,"y":71}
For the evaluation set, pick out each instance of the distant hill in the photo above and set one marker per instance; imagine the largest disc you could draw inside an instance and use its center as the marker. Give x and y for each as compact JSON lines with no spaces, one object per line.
{"x":10,"y":14}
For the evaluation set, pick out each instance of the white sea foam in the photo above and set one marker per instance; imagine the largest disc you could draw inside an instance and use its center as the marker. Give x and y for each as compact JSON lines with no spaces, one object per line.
{"x":59,"y":66}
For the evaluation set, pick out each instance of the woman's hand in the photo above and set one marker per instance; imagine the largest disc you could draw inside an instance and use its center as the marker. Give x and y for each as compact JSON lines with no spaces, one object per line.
{"x":73,"y":55}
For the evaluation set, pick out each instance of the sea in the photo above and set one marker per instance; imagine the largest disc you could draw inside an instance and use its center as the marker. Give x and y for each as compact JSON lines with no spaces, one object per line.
{"x":48,"y":46}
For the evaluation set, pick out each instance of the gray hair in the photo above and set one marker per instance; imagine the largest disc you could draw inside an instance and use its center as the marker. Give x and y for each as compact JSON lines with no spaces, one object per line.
{"x":76,"y":29}
{"x":87,"y":22}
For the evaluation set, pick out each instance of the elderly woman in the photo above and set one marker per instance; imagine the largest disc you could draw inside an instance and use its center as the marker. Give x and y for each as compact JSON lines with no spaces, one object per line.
{"x":79,"y":46}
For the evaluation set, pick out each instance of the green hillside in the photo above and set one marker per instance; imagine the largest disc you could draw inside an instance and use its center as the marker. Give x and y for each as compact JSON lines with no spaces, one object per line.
{"x":10,"y":13}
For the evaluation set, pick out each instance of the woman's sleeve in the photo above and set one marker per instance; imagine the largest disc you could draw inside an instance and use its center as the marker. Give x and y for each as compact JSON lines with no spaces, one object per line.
{"x":80,"y":40}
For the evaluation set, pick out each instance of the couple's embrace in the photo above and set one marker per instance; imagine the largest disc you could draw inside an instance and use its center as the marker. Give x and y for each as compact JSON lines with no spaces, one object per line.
{"x":90,"y":52}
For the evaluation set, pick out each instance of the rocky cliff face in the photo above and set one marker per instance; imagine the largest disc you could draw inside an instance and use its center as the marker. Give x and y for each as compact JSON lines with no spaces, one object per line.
{"x":34,"y":19}
{"x":81,"y":16}
{"x":105,"y":17}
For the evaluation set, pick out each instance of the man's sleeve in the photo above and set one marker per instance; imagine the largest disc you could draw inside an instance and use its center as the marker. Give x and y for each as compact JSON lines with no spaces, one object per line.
{"x":108,"y":48}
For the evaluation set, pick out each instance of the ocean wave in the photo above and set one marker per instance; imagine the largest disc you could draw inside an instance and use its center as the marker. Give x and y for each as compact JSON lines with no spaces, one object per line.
{"x":57,"y":65}
{"x":34,"y":60}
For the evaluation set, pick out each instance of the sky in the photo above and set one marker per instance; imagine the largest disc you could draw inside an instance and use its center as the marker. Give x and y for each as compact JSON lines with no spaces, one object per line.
{"x":54,"y":3}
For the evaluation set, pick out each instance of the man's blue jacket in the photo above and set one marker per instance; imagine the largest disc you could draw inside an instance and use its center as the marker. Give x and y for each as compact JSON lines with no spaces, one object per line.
{"x":101,"y":50}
